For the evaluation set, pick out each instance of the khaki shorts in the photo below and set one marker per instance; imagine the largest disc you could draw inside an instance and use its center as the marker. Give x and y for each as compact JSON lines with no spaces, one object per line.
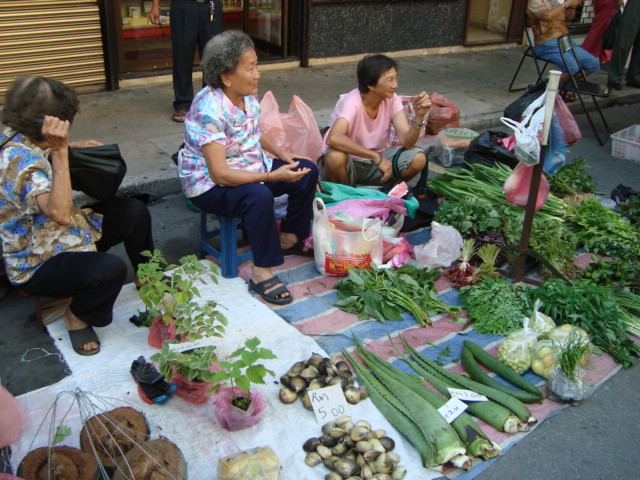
{"x":364,"y":172}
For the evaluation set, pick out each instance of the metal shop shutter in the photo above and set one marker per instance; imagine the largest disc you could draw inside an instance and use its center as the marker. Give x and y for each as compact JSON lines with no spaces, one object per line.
{"x":59,"y":39}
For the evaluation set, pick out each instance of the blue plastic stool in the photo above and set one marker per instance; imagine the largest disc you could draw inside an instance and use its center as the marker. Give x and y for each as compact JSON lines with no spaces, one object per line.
{"x":228,"y":255}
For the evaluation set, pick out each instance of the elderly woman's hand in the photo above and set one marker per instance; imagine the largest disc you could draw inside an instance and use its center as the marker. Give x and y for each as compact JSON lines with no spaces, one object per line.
{"x":85,"y":144}
{"x":290,"y":157}
{"x":56,"y":132}
{"x":289,"y":172}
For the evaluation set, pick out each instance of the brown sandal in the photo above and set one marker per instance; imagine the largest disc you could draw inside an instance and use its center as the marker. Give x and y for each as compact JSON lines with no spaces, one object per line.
{"x":180,"y":115}
{"x":568,"y":96}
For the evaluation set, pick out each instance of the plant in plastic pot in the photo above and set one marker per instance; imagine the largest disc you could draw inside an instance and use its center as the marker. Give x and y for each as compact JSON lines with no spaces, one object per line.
{"x":237,"y":407}
{"x":169,"y":292}
{"x":192,"y":370}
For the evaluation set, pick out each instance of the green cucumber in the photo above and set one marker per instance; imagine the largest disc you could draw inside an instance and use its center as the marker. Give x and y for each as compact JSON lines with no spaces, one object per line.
{"x":475,"y":372}
{"x":496,"y":366}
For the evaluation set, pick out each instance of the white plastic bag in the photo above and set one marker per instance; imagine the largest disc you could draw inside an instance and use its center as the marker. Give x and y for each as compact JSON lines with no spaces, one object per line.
{"x":337,"y":250}
{"x":444,"y":247}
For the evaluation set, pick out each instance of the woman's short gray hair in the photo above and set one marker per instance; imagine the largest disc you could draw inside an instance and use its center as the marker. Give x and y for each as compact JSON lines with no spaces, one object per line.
{"x":222,"y":55}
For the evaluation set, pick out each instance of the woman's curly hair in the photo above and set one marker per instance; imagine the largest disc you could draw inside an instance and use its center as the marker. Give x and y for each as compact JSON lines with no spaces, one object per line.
{"x":222,"y":55}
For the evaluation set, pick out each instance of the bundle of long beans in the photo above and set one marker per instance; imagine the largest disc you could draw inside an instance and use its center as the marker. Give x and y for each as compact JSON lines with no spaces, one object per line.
{"x":484,"y":181}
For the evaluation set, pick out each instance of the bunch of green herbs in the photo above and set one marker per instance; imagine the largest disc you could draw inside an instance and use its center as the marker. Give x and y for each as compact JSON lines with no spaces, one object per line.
{"x":602,"y":231}
{"x":592,"y":308}
{"x":630,"y":210}
{"x":496,"y":306}
{"x":551,"y":239}
{"x":572,"y":179}
{"x":476,"y":214}
{"x":384,"y":294}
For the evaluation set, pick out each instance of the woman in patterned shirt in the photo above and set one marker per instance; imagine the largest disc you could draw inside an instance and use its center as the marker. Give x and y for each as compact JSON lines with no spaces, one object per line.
{"x":223,"y":168}
{"x":50,"y":247}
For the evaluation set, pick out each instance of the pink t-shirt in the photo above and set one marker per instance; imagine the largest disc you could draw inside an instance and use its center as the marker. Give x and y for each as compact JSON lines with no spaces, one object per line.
{"x":371,"y":133}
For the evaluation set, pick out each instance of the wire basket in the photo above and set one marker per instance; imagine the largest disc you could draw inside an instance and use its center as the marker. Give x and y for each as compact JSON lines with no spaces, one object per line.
{"x":626,"y":143}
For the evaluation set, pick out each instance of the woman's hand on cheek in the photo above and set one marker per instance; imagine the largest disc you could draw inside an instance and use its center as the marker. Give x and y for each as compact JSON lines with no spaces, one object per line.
{"x":56,"y":132}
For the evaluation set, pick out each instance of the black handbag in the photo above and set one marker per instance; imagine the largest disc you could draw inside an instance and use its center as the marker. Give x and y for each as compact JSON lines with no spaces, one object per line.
{"x":97,"y":171}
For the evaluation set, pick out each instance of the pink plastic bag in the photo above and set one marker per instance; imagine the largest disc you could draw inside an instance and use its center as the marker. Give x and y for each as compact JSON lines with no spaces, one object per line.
{"x":517,"y":186}
{"x":296,"y":131}
{"x":192,"y":391}
{"x":160,"y":331}
{"x":11,"y":418}
{"x":568,"y":124}
{"x":444,"y":114}
{"x":368,"y":207}
{"x":233,"y":418}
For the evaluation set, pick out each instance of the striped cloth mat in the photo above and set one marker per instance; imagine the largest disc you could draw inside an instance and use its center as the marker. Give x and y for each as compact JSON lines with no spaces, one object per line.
{"x":312,"y":313}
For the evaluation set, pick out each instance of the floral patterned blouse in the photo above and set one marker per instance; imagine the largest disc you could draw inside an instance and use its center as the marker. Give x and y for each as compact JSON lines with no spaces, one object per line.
{"x":214,"y":118}
{"x":544,"y":30}
{"x":29,"y":237}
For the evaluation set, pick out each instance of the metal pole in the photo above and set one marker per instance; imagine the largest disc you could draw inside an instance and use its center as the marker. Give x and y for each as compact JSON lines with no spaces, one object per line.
{"x":523,"y":246}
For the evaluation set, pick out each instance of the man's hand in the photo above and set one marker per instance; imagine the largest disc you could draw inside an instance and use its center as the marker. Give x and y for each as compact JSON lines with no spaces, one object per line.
{"x":154,"y":15}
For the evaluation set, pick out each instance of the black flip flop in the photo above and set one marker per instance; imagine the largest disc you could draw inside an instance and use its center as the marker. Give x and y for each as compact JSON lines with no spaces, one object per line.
{"x":272,"y":296}
{"x":298,"y":249}
{"x":81,"y":337}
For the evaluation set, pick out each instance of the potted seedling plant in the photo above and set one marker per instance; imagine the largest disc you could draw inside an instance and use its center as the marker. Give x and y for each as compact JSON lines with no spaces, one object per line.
{"x":237,"y":407}
{"x":191,"y":370}
{"x":169,"y":292}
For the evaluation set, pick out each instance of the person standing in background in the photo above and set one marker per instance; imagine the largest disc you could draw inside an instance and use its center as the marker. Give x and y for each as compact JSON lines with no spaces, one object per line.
{"x":627,"y":40}
{"x":604,"y":11}
{"x":193,"y":24}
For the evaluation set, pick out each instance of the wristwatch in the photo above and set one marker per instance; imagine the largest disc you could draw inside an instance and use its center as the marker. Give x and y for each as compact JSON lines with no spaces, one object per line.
{"x":418,"y":125}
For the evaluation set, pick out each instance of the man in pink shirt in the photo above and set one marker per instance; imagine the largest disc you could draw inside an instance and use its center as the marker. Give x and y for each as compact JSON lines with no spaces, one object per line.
{"x":359,"y":134}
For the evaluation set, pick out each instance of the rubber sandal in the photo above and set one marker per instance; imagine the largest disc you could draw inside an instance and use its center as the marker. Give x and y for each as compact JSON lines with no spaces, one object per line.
{"x":272,"y":296}
{"x":298,"y":249}
{"x":180,"y":115}
{"x":81,"y":337}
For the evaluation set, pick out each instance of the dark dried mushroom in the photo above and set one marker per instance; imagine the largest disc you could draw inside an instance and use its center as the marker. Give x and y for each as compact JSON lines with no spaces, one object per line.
{"x":297,"y":384}
{"x":295,"y":369}
{"x":311,"y":445}
{"x":287,"y":395}
{"x":388,"y":443}
{"x":328,"y":441}
{"x":314,"y":360}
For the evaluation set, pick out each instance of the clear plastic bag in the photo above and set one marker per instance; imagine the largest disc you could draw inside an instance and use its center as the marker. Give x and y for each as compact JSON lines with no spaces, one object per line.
{"x":336,"y":250}
{"x":564,"y":389}
{"x":451,"y":145}
{"x":539,"y":321}
{"x":233,"y":418}
{"x":444,"y":247}
{"x":256,"y":464}
{"x":514,"y":351}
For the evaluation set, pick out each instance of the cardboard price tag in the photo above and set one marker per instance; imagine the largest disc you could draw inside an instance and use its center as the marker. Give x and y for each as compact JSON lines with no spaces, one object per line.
{"x":452,"y":409}
{"x":328,"y":403}
{"x":467,"y":395}
{"x":201,"y":342}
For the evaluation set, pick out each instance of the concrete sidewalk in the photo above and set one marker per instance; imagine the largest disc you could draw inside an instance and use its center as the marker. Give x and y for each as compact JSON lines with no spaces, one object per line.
{"x":138,"y":116}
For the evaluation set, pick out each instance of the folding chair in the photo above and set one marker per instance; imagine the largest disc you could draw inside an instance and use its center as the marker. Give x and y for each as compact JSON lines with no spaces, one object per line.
{"x":529,"y":52}
{"x":581,"y":86}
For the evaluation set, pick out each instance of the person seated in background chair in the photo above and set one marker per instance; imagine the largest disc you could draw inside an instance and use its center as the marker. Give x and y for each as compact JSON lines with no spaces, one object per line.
{"x":548,"y":20}
{"x":51,"y":247}
{"x":358,"y":137}
{"x":223,"y":168}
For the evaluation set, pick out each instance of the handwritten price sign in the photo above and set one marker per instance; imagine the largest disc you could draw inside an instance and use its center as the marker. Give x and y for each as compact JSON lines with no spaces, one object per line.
{"x":452,"y":409}
{"x":467,"y":395}
{"x":328,"y":403}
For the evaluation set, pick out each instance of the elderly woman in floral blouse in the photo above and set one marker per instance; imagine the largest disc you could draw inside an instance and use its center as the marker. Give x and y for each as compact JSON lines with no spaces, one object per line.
{"x":51,"y":247}
{"x":223,"y":168}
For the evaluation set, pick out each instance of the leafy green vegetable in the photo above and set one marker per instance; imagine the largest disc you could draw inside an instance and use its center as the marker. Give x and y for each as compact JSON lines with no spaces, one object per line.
{"x":630,"y":210}
{"x":592,"y":308}
{"x":384,"y":294}
{"x":496,"y":306}
{"x":572,"y":179}
{"x":603,"y":231}
{"x":552,"y":240}
{"x":62,"y":432}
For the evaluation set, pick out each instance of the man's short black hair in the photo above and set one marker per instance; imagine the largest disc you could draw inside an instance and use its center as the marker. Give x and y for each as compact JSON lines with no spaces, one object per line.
{"x":370,"y":68}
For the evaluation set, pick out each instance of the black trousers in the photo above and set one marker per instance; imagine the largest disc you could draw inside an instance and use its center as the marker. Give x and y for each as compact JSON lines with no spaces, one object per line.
{"x":253,"y":203}
{"x":191,"y":27}
{"x":94,"y":279}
